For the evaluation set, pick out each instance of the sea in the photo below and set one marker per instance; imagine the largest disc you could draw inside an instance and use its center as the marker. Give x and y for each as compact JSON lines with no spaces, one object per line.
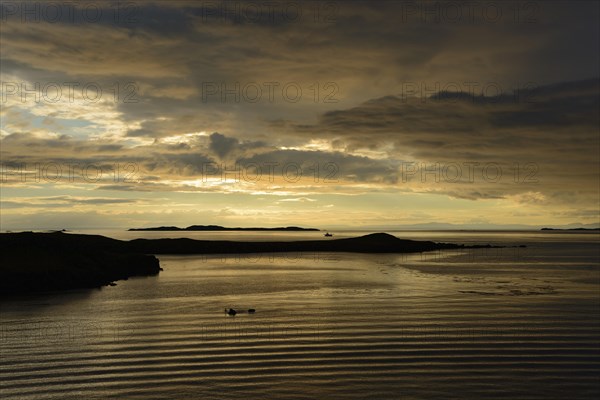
{"x":492,"y":323}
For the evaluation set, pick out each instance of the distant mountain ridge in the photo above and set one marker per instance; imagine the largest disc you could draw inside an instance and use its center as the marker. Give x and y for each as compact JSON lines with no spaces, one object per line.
{"x":222,"y":228}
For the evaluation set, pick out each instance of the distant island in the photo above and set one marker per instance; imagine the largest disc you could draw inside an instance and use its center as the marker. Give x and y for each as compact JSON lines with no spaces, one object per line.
{"x":570,"y":229}
{"x":372,"y":243}
{"x":221,"y":228}
{"x":34,"y":262}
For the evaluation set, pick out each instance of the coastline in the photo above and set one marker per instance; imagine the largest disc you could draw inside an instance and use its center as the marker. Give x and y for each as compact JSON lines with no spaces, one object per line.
{"x":36,"y":262}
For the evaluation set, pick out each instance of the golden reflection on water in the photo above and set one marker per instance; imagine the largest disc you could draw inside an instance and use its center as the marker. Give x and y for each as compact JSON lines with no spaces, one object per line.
{"x":515,"y":323}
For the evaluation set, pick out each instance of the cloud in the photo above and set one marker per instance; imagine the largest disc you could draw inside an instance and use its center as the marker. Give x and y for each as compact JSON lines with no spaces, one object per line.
{"x":364,"y":50}
{"x":546,"y":138}
{"x":298,"y":200}
{"x":222,"y":145}
{"x":381,"y":91}
{"x":61,"y":202}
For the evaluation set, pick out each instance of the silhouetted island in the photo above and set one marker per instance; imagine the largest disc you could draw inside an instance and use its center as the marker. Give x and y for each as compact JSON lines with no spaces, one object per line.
{"x":221,"y":228}
{"x":34,"y":262}
{"x":31,"y":262}
{"x":372,"y":243}
{"x":570,"y":229}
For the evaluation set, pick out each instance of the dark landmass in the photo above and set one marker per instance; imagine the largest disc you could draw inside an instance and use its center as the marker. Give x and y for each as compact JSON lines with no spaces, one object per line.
{"x":570,"y":229}
{"x":221,"y":228}
{"x":373,"y":243}
{"x":33,"y":262}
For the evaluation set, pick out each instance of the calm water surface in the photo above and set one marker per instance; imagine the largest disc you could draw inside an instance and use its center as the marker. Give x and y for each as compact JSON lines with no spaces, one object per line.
{"x":513,"y":323}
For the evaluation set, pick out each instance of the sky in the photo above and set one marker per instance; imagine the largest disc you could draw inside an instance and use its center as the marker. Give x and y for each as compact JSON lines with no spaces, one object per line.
{"x":332,"y":114}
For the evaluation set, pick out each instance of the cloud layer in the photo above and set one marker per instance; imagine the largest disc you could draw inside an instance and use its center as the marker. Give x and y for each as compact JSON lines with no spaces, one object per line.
{"x":326,"y":101}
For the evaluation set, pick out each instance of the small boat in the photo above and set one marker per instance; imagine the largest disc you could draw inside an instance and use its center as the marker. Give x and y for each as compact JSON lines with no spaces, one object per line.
{"x":251,"y":311}
{"x":328,"y":234}
{"x":231,"y":312}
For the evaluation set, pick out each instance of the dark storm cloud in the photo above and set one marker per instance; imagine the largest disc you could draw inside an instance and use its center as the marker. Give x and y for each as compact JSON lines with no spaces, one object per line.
{"x":335,"y":165}
{"x":227,"y":147}
{"x":371,"y":50}
{"x":222,"y":145}
{"x":551,"y":131}
{"x":383,"y":31}
{"x":171,"y":49}
{"x":136,"y":16}
{"x":485,"y":125}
